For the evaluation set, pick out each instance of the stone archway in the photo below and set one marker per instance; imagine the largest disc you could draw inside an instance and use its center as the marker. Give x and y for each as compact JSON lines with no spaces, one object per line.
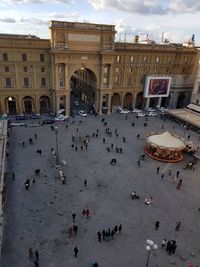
{"x":11,"y":105}
{"x":28,"y":104}
{"x":44,"y":104}
{"x":115,"y":100}
{"x":139,"y":100}
{"x":181,"y":100}
{"x":83,"y":89}
{"x":128,"y":100}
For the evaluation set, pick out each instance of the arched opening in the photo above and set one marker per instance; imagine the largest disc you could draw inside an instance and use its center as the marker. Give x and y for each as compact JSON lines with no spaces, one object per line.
{"x":115,"y":100}
{"x":128,"y":100}
{"x":44,"y":104}
{"x":181,"y":100}
{"x":153,"y":102}
{"x":83,"y":85}
{"x":11,"y":105}
{"x":28,"y":104}
{"x":139,"y":100}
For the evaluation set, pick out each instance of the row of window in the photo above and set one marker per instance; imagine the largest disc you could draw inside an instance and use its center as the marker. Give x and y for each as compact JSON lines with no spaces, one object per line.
{"x":25,"y":69}
{"x":23,"y":57}
{"x":26,"y":83}
{"x":145,"y":59}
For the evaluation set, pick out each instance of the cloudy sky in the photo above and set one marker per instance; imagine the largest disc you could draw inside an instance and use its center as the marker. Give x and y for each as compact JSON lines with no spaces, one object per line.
{"x":178,"y":19}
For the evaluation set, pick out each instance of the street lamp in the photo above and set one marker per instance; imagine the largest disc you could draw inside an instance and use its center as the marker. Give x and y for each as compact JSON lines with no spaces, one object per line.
{"x":57,"y":156}
{"x":149,"y":247}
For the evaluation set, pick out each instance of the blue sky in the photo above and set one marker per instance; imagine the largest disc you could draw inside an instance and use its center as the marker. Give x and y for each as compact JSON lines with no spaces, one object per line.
{"x":178,"y":19}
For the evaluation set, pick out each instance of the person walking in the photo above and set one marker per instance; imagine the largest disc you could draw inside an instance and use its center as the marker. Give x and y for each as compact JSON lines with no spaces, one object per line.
{"x":164,"y":241}
{"x":30,"y":253}
{"x":179,"y":184}
{"x":37,"y":255}
{"x":36,"y":263}
{"x":120,"y":228}
{"x":178,"y":224}
{"x":85,"y":183}
{"x":35,"y":135}
{"x":87,"y":213}
{"x":103,"y":234}
{"x":157,"y":224}
{"x":177,"y":174}
{"x":138,"y":162}
{"x":104,"y":140}
{"x":73,"y":217}
{"x":75,"y":252}
{"x":99,"y":236}
{"x":75,"y":228}
{"x":157,"y":170}
{"x":83,"y":213}
{"x":162,"y":176}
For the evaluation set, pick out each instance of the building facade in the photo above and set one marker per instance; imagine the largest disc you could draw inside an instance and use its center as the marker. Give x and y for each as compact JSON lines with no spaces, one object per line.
{"x":84,"y":61}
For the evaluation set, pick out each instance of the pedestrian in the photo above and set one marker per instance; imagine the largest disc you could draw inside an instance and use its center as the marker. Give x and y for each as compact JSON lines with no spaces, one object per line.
{"x":138,"y":136}
{"x":37,"y":255}
{"x":157,"y":224}
{"x":27,"y":184}
{"x":99,"y":236}
{"x":73,"y":217}
{"x":87,"y":213}
{"x":75,"y":252}
{"x":23,"y":144}
{"x":157,"y":170}
{"x":104,"y":140}
{"x":177,"y":174}
{"x":112,"y":234}
{"x":36,"y":263}
{"x":30,"y":141}
{"x":133,"y":124}
{"x":124,"y":139}
{"x":30,"y":253}
{"x":162,"y":176}
{"x":35,"y":135}
{"x":66,"y":126}
{"x":188,"y":137}
{"x":170,"y":172}
{"x":179,"y":184}
{"x":83,"y":212}
{"x":164,"y":241}
{"x":103,"y":234}
{"x":138,"y":163}
{"x":120,"y":228}
{"x":75,"y":228}
{"x":116,"y":229}
{"x":95,"y":264}
{"x":178,"y":224}
{"x":13,"y":176}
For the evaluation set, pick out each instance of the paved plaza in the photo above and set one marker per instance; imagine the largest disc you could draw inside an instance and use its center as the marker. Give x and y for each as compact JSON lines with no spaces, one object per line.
{"x":40,"y":217}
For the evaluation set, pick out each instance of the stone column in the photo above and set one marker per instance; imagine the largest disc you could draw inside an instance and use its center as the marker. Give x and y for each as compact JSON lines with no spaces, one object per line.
{"x":110,"y":76}
{"x":100,"y":103}
{"x":57,"y":84}
{"x":109,"y":103}
{"x":37,"y":104}
{"x":2,"y":103}
{"x":159,"y":101}
{"x":67,"y":77}
{"x":20,"y":106}
{"x":67,"y":105}
{"x":57,"y":103}
{"x":134,"y":99}
{"x":147,"y":101}
{"x":122,"y":100}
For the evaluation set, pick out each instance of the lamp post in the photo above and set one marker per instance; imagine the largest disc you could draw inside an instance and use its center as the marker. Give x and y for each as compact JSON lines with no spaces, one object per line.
{"x":57,"y":156}
{"x":149,"y":247}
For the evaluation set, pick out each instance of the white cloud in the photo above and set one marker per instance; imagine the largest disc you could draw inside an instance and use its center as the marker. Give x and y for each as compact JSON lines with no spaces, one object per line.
{"x":8,"y":20}
{"x":16,"y":2}
{"x":55,"y":15}
{"x":157,"y":7}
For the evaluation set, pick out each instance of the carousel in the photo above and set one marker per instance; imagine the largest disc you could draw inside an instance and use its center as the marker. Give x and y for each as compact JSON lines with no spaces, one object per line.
{"x":165,"y":147}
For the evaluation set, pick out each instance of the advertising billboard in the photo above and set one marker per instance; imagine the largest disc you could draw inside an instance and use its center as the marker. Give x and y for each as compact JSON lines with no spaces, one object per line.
{"x":157,"y":86}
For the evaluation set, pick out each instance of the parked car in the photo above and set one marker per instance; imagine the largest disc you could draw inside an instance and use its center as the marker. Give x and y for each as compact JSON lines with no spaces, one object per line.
{"x":152,"y":113}
{"x":35,"y":117}
{"x":16,"y":124}
{"x":61,"y":117}
{"x":135,"y":110}
{"x":76,"y":103}
{"x":48,"y":121}
{"x":82,"y":113}
{"x":141,"y":114}
{"x":20,"y":117}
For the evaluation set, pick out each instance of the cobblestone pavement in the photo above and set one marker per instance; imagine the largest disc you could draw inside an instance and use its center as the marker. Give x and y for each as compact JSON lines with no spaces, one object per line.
{"x":39,"y":218}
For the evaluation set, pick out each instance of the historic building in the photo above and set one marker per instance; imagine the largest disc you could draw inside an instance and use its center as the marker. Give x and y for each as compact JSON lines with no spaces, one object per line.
{"x":83,"y":60}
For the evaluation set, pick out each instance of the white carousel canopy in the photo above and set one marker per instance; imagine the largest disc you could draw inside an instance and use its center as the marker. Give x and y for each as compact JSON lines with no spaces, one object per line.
{"x":166,"y":140}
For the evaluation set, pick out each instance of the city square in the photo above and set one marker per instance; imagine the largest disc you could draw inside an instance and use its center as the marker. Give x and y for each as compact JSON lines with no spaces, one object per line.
{"x":40,"y":217}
